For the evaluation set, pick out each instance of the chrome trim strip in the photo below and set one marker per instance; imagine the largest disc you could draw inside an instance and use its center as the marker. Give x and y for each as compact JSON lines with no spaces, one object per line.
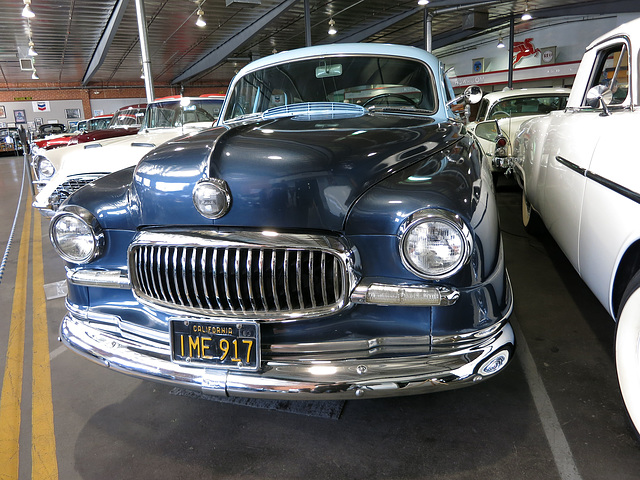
{"x":340,"y":379}
{"x":236,"y":269}
{"x":89,"y":277}
{"x":434,"y":296}
{"x":287,"y":292}
{"x":616,"y":187}
{"x":299,"y":278}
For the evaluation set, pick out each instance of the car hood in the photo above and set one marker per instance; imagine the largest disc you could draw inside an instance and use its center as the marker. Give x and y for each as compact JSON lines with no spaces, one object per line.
{"x":107,"y":133}
{"x":284,"y":173}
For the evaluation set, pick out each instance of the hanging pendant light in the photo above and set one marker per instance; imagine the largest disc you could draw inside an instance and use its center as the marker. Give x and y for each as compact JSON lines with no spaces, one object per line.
{"x":34,"y":75}
{"x":526,"y":15}
{"x":332,"y":27}
{"x":32,"y":50}
{"x":500,"y":43}
{"x":200,"y":21}
{"x":26,"y":11}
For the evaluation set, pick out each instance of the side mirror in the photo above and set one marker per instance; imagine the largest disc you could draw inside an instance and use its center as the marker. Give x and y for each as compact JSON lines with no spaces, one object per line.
{"x":488,"y":130}
{"x":598,"y":96}
{"x":472,"y":94}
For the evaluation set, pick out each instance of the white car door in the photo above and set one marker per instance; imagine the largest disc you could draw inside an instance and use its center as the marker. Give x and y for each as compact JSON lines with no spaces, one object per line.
{"x":580,"y":141}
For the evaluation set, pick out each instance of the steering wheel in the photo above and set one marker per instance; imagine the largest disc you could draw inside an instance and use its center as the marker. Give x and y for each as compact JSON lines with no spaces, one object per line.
{"x":404,"y":98}
{"x":499,"y":114}
{"x":205,"y":114}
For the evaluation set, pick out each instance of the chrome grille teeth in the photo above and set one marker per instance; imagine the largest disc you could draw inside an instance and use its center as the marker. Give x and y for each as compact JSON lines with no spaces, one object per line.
{"x":240,"y":280}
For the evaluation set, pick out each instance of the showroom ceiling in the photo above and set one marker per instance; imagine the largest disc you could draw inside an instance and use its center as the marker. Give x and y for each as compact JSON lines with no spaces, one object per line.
{"x":97,"y":42}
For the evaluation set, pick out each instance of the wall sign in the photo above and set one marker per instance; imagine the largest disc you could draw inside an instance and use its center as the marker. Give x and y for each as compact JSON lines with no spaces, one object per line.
{"x":41,"y":106}
{"x":524,"y":49}
{"x":20,"y":116}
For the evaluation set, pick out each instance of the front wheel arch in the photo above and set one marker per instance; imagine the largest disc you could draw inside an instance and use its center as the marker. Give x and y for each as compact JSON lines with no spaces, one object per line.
{"x":627,"y":268}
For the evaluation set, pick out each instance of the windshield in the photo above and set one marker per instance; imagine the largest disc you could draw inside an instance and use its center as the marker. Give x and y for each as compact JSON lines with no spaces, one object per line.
{"x":97,"y":123}
{"x":129,"y":117}
{"x":174,"y":113}
{"x":363,"y":80}
{"x":524,"y":106}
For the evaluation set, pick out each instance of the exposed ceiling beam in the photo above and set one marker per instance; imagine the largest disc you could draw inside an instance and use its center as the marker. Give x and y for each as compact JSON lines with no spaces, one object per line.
{"x":225,"y":50}
{"x":364,"y":33}
{"x":101,"y":50}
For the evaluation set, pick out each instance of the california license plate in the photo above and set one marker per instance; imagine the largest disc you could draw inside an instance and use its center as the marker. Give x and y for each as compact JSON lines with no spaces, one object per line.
{"x":227,"y":345}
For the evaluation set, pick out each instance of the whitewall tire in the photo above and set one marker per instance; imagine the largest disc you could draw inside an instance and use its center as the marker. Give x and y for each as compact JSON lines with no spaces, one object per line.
{"x":627,"y":351}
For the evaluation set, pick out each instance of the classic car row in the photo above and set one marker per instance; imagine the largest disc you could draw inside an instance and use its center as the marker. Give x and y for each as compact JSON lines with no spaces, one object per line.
{"x":334,"y":232}
{"x":125,"y":121}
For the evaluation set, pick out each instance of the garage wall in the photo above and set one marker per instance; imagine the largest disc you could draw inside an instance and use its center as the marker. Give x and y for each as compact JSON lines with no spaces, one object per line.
{"x":570,"y":36}
{"x":58,"y":111}
{"x":110,"y":105}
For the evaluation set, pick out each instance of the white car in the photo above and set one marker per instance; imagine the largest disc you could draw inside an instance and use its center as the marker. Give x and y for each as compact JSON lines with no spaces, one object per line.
{"x":62,"y":171}
{"x":510,"y":109}
{"x":580,"y":173}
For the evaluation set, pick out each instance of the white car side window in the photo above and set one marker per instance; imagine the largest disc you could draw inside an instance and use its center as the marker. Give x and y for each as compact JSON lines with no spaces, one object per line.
{"x":612,"y":71}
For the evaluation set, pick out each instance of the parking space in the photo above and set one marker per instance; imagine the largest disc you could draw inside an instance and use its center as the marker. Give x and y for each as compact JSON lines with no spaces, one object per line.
{"x":555,"y":412}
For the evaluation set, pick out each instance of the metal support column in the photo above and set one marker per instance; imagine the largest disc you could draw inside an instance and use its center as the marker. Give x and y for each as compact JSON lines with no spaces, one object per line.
{"x":511,"y":35}
{"x":428,"y":32}
{"x":307,"y":23}
{"x":144,"y":47}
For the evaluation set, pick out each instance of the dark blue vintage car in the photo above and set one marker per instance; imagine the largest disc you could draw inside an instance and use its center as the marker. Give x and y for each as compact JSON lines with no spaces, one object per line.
{"x":336,"y":236}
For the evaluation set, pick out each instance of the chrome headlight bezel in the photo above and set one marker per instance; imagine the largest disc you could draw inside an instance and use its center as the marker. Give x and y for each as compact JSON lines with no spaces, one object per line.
{"x":214,"y":186}
{"x":41,"y":162}
{"x":94,"y":229}
{"x":446,"y":218}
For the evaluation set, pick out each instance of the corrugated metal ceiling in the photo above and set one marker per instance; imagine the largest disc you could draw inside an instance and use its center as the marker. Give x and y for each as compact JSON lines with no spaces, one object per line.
{"x":69,"y":34}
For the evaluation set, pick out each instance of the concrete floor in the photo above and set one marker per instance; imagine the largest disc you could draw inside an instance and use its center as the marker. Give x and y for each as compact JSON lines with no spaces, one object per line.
{"x":555,"y":412}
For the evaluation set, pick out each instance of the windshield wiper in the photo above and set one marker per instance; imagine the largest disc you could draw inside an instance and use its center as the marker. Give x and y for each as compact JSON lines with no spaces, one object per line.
{"x":401,"y":110}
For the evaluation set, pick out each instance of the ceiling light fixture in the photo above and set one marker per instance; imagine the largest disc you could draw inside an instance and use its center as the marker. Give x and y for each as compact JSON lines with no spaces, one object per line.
{"x":332,"y":27}
{"x":32,"y":51}
{"x":200,"y":21}
{"x":26,"y":11}
{"x":526,"y":15}
{"x":500,"y":43}
{"x":34,"y":75}
{"x":423,"y":2}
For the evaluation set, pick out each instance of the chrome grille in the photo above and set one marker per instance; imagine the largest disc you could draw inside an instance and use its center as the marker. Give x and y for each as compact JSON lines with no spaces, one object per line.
{"x":241,"y":280}
{"x":65,"y":189}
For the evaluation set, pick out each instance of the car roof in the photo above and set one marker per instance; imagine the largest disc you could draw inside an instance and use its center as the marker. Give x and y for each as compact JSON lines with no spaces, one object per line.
{"x":340,"y":49}
{"x":628,"y":29}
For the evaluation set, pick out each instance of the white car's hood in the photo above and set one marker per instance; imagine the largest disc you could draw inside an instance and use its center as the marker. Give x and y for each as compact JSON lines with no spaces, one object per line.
{"x":99,"y":158}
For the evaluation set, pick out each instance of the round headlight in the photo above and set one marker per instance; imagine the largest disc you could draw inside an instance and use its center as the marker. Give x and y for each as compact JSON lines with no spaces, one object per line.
{"x":212,"y":198}
{"x":434,"y":244}
{"x":45,"y":168}
{"x":76,"y":236}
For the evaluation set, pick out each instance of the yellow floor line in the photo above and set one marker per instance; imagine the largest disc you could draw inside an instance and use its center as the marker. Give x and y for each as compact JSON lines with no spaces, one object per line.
{"x":12,"y":381}
{"x":44,"y":464}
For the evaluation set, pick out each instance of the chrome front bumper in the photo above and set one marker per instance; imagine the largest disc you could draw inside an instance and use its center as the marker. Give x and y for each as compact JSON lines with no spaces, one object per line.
{"x":451,"y":368}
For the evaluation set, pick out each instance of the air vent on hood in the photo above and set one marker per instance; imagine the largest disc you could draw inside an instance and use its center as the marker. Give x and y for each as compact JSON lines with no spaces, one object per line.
{"x":314,"y":109}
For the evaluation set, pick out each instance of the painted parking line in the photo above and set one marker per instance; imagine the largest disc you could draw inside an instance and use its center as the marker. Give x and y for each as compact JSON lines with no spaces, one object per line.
{"x":11,"y":397}
{"x":43,"y":447}
{"x":44,"y":463}
{"x":560,"y":449}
